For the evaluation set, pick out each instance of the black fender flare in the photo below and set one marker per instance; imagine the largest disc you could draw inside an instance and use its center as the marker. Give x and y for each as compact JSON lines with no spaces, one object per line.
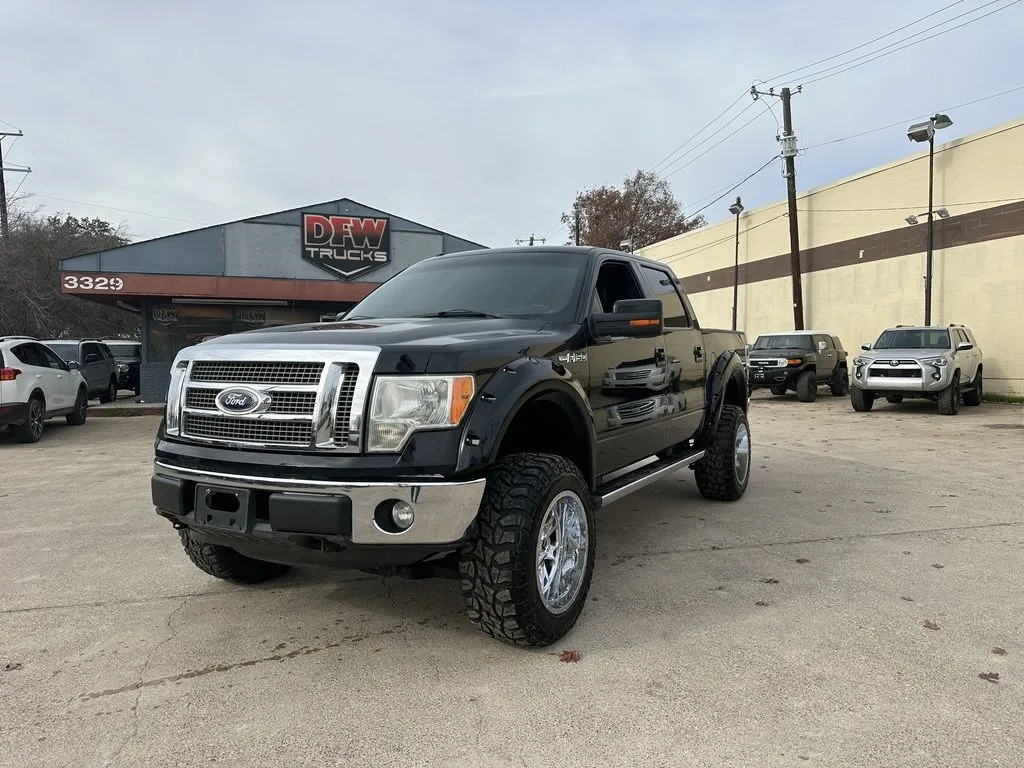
{"x":506,"y":392}
{"x":728,"y":366}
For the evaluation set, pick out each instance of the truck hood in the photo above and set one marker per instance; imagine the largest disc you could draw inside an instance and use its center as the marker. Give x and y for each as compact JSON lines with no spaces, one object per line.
{"x":410,"y":345}
{"x":780,"y":352}
{"x":901,"y":354}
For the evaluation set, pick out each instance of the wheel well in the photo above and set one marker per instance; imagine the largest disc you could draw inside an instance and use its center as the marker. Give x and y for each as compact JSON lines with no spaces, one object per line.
{"x":734,"y":393}
{"x":38,"y":393}
{"x":543,"y":425}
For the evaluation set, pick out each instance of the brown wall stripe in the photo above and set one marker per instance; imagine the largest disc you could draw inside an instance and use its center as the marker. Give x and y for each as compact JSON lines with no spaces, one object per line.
{"x":965,"y":229}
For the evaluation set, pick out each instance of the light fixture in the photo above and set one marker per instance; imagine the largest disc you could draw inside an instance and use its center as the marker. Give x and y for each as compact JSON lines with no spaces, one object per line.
{"x":941,"y":121}
{"x":911,"y":219}
{"x":943,"y":213}
{"x":736,"y":208}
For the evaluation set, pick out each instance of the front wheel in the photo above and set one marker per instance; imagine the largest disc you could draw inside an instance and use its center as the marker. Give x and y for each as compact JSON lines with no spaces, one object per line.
{"x":950,"y":398}
{"x":861,"y":400}
{"x":526,"y":577}
{"x":77,"y":417}
{"x":225,"y":563}
{"x":725,"y":469}
{"x":806,"y":387}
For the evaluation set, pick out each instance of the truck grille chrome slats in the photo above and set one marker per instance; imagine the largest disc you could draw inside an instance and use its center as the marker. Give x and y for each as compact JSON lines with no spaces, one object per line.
{"x":301,"y":399}
{"x":632,"y":375}
{"x":256,"y":372}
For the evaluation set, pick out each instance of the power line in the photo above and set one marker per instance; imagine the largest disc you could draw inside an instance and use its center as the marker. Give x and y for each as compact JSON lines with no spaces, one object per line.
{"x":908,"y":207}
{"x":881,"y":55}
{"x":10,"y":125}
{"x":734,"y":187}
{"x":124,"y":210}
{"x":915,"y":117}
{"x":687,"y":253}
{"x":864,"y":45}
{"x":699,"y":132}
{"x":716,"y":144}
{"x":665,"y":172}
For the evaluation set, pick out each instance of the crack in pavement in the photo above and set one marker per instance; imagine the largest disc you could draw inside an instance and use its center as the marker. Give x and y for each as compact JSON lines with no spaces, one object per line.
{"x":305,"y":650}
{"x":142,"y":674}
{"x":162,"y":598}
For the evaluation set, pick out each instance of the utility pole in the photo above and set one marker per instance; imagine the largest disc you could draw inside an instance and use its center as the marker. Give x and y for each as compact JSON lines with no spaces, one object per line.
{"x":5,"y":230}
{"x":577,"y":227}
{"x":788,"y":142}
{"x":531,"y":240}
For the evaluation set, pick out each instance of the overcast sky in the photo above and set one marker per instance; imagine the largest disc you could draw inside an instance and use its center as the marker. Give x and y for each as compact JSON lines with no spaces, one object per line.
{"x":480,"y":118}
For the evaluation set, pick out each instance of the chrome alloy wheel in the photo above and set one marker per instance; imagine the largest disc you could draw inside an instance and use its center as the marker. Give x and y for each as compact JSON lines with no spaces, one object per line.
{"x":742,"y":453}
{"x":562,"y":551}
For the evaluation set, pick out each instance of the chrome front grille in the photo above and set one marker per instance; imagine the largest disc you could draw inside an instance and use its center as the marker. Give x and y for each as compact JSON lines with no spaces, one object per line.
{"x":227,"y":428}
{"x":256,"y":372}
{"x":343,"y":411}
{"x":633,"y":375}
{"x":640,"y":408}
{"x":304,"y":399}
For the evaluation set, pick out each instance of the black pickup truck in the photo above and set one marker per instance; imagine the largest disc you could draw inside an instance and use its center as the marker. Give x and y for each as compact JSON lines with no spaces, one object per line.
{"x":799,"y":360}
{"x":455,"y":422}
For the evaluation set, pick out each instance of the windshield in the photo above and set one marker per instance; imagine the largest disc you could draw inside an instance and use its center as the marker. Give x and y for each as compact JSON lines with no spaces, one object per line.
{"x":126,"y":349}
{"x":788,"y":341}
{"x":67,"y":352}
{"x":540,"y":285}
{"x":914,"y":338}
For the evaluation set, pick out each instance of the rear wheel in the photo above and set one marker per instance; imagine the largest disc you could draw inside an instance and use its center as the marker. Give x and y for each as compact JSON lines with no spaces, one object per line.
{"x":725,"y":469}
{"x":840,"y":382}
{"x":32,"y":430}
{"x":806,"y":387}
{"x":974,"y":394}
{"x":950,"y":398}
{"x":894,"y":399}
{"x":778,"y":391}
{"x":77,"y":417}
{"x":861,"y":400}
{"x":225,"y":563}
{"x":526,"y":577}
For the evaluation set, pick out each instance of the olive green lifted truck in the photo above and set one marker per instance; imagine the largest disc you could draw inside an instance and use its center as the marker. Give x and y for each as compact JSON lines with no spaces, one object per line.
{"x":468,"y":418}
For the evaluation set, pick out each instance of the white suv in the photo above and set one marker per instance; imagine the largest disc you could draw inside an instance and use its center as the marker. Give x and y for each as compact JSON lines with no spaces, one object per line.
{"x":35,"y":385}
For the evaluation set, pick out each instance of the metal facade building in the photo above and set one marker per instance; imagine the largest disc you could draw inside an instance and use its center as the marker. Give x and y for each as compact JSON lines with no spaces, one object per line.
{"x":294,"y":266}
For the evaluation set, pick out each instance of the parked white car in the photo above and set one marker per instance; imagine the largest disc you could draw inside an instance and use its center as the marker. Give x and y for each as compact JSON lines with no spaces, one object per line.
{"x":36,"y":385}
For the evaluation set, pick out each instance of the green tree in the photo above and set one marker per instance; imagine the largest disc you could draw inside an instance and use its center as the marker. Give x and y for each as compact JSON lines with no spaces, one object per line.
{"x":30,"y":299}
{"x":644,"y":210}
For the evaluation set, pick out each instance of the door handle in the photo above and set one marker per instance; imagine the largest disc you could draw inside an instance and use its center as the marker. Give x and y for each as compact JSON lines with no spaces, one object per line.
{"x":697,"y":353}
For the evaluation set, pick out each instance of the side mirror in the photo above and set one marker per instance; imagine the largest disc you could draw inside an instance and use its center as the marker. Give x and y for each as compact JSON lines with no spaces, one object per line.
{"x":630,"y":317}
{"x":821,"y":346}
{"x":964,"y":345}
{"x":73,"y":365}
{"x":92,"y":358}
{"x":865,"y":346}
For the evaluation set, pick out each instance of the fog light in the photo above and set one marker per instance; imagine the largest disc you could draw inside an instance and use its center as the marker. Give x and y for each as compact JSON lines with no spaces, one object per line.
{"x":936,"y":376}
{"x":857,"y":374}
{"x":402,"y":514}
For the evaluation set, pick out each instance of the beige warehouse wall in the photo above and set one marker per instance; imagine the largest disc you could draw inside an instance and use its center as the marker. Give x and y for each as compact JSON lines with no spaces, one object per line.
{"x":980,"y":284}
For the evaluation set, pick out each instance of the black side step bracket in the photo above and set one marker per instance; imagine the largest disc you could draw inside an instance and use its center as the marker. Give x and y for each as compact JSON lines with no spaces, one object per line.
{"x":625,"y":484}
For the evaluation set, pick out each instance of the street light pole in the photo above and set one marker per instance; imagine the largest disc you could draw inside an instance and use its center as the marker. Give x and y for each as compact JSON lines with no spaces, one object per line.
{"x":931,"y":225}
{"x":736,"y":209}
{"x":926,"y":132}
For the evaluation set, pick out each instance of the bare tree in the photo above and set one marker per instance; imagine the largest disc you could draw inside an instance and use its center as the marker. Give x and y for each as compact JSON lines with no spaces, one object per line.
{"x":30,"y":299}
{"x":644,"y":211}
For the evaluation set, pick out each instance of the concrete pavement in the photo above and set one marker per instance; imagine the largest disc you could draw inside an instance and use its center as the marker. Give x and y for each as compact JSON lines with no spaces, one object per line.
{"x":787,"y":629}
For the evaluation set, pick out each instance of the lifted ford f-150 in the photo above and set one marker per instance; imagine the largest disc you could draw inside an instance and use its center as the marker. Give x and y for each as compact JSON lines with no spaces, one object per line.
{"x":454,"y":422}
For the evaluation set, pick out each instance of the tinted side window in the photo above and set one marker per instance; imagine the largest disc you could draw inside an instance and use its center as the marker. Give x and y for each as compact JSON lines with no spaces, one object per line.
{"x":52,"y":359}
{"x":659,"y":285}
{"x":828,"y":342}
{"x":29,"y":355}
{"x":961,"y":335}
{"x":616,"y":282}
{"x":90,"y":349}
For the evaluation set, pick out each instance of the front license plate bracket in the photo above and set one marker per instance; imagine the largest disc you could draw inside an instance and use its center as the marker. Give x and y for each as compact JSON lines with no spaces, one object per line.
{"x":226,"y":508}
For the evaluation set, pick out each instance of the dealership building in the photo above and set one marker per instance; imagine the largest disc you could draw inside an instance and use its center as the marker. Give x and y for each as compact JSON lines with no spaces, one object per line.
{"x":296,"y":266}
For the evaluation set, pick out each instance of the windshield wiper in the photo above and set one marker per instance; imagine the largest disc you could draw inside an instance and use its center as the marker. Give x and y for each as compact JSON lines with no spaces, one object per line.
{"x":461,"y":313}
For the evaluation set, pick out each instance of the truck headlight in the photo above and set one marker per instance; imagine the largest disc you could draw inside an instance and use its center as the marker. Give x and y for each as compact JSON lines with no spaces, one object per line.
{"x":781,"y":362}
{"x":402,"y":405}
{"x":938,"y":362}
{"x":860,"y":361}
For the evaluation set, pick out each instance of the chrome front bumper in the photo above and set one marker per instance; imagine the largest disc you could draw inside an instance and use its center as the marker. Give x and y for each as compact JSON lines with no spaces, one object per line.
{"x":443,"y":510}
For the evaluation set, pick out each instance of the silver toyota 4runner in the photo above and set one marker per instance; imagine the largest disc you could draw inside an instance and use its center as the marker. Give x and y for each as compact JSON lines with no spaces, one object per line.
{"x":943,"y":364}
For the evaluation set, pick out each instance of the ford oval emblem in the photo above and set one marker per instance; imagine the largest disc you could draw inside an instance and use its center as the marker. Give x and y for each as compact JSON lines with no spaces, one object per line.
{"x":239,"y":401}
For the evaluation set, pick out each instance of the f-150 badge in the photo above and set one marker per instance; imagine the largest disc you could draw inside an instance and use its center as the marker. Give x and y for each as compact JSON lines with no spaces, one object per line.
{"x":573,"y":357}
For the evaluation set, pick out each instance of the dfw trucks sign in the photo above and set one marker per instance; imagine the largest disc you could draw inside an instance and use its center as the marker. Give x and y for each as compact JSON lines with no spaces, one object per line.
{"x":347,"y":246}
